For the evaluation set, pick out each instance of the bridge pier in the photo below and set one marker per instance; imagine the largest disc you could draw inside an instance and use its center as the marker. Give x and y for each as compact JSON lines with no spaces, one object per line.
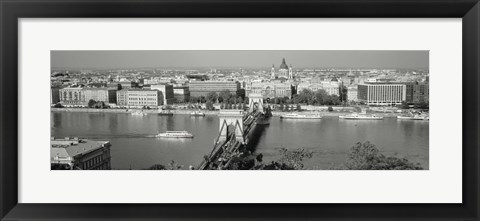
{"x":255,"y":102}
{"x":231,"y":123}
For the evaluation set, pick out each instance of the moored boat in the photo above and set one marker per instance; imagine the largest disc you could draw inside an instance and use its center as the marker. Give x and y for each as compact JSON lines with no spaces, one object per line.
{"x":300,"y":116}
{"x":356,"y":116}
{"x":414,"y":117}
{"x":197,"y":114}
{"x":138,"y":113}
{"x":174,"y":134}
{"x":167,"y":113}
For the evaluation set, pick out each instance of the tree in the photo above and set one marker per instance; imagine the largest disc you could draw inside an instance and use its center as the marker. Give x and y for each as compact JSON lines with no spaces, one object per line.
{"x":239,"y":100}
{"x":209,"y":105}
{"x":404,"y":105}
{"x":321,"y":97}
{"x":225,"y":95}
{"x":232,"y":100}
{"x":193,"y":99}
{"x":366,"y":156}
{"x":58,"y":105}
{"x":91,"y":103}
{"x":343,"y":94}
{"x":212,"y":96}
{"x":306,"y":96}
{"x":422,"y":105}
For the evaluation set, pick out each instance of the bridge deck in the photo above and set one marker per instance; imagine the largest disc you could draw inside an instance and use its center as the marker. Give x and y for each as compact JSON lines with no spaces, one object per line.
{"x":224,"y":151}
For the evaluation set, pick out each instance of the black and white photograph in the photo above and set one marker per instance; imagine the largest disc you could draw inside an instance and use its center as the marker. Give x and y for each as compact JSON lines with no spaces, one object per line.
{"x":239,"y":110}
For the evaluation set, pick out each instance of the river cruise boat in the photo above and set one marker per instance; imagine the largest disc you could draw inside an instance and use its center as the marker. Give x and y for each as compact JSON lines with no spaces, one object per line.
{"x":301,"y":116}
{"x":356,"y":116}
{"x":175,"y":134}
{"x":197,"y":114}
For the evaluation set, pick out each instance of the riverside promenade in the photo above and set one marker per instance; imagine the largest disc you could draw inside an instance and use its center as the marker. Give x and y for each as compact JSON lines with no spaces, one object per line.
{"x":334,"y":113}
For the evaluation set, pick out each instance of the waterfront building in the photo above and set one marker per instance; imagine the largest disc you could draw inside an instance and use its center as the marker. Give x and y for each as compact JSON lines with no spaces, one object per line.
{"x":269,"y":89}
{"x":167,"y":92}
{"x":122,"y":97}
{"x":382,"y":93}
{"x":54,"y":95}
{"x":181,"y":94}
{"x":71,"y":96}
{"x":144,"y":97}
{"x":352,"y":94}
{"x":106,"y":95}
{"x":79,"y":154}
{"x":310,"y":86}
{"x":417,"y":92}
{"x":331,"y":87}
{"x":202,"y":88}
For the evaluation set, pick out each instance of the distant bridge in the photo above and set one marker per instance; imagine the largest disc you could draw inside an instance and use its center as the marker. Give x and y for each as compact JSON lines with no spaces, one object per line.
{"x":236,"y":128}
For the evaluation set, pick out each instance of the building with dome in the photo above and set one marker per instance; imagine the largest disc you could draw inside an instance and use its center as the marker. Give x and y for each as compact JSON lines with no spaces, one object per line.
{"x":284,"y":71}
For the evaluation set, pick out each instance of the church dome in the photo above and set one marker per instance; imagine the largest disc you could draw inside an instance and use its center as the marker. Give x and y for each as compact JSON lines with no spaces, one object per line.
{"x":283,"y":65}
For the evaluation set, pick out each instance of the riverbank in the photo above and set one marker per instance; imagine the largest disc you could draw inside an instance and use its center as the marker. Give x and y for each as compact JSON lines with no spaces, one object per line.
{"x":206,"y":112}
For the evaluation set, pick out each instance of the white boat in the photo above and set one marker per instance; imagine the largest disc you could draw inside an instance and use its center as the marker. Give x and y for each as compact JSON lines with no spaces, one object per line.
{"x":414,"y":117}
{"x":405,"y":117}
{"x":356,"y":116}
{"x":301,"y":116}
{"x":175,"y":134}
{"x":197,"y":113}
{"x":138,"y":113}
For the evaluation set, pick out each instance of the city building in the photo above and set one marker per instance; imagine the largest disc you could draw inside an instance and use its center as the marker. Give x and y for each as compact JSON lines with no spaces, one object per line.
{"x":284,"y":71}
{"x":417,"y":92}
{"x":122,"y":97}
{"x":181,"y":94}
{"x":71,"y":96}
{"x":352,"y":94}
{"x":54,"y":95}
{"x":79,"y":154}
{"x":331,"y":87}
{"x":420,"y":93}
{"x":382,"y":93}
{"x":108,"y":96}
{"x":144,"y":98}
{"x":202,"y":88}
{"x":124,"y":84}
{"x":269,"y":89}
{"x":197,"y":77}
{"x":167,"y":92}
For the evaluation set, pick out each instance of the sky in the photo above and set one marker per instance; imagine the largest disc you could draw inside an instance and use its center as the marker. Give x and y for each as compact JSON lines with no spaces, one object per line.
{"x":238,"y":58}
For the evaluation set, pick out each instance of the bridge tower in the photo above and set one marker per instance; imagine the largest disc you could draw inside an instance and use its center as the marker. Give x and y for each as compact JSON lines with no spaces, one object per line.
{"x":231,"y":122}
{"x":255,"y":101}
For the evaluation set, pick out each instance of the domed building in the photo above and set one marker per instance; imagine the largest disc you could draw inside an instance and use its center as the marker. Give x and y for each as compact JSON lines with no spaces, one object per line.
{"x":283,"y":72}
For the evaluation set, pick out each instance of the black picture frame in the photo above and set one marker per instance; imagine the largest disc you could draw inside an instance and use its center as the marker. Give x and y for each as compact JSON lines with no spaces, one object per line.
{"x":12,"y":10}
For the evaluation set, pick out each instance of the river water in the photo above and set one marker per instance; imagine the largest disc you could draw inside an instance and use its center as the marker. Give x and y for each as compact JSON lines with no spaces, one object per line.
{"x":330,"y":138}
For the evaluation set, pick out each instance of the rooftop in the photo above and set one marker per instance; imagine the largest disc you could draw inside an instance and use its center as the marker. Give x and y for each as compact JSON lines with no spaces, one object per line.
{"x":71,"y":147}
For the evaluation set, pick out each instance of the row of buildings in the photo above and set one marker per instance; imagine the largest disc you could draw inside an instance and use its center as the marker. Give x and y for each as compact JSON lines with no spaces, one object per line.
{"x":371,"y":93}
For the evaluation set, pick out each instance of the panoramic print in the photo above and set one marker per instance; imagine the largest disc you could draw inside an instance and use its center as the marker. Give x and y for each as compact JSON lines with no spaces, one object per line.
{"x":239,"y":110}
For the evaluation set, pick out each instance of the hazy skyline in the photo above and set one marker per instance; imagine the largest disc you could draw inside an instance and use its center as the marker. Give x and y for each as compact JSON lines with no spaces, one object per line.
{"x":238,"y":58}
